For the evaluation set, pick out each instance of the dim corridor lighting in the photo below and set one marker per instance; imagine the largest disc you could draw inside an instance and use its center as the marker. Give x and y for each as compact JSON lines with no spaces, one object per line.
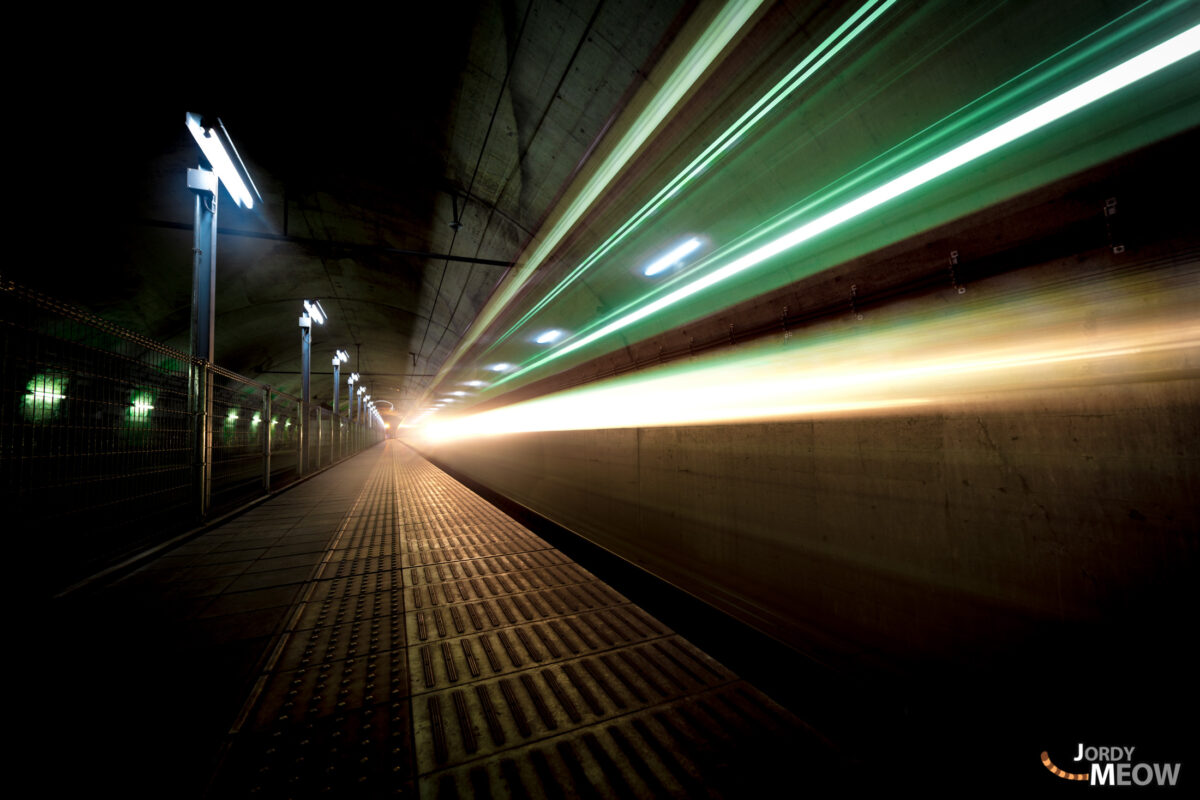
{"x":214,"y":150}
{"x":1147,"y":63}
{"x":141,"y":406}
{"x":672,"y":258}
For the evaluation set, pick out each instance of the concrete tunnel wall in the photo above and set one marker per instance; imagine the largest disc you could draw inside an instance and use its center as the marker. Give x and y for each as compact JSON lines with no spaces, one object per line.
{"x":885,"y":541}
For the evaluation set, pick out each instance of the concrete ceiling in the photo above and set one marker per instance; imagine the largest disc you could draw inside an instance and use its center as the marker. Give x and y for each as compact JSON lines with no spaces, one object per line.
{"x":368,"y":139}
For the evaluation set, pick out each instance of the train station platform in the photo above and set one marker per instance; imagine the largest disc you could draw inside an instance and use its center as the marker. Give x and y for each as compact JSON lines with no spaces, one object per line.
{"x":382,"y":631}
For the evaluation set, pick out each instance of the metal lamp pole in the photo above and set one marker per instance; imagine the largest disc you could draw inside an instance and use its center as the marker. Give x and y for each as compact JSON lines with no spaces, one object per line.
{"x":313,"y":312}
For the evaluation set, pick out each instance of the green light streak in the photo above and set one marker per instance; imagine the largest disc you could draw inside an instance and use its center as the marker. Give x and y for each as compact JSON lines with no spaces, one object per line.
{"x":795,"y":78}
{"x":703,"y":52}
{"x":960,"y":122}
{"x":1156,"y":58}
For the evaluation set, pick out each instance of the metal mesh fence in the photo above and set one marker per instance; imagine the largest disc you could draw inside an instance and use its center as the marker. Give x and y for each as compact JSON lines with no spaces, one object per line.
{"x":285,"y":439}
{"x":237,"y":439}
{"x":101,"y":442}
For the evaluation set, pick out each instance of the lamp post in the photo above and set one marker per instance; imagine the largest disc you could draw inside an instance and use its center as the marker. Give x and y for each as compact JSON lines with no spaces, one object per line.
{"x":340,"y":357}
{"x":313,"y":312}
{"x":350,"y":406}
{"x":353,"y":379}
{"x":205,"y":183}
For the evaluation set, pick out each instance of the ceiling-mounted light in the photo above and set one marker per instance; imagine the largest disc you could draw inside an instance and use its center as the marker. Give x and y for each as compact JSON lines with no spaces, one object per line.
{"x":503,"y":366}
{"x":672,"y":258}
{"x":316,"y":311}
{"x":474,"y":384}
{"x":552,"y":335}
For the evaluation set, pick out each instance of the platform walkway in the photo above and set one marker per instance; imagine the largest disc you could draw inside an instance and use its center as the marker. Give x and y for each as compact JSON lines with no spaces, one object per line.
{"x":398,"y":635}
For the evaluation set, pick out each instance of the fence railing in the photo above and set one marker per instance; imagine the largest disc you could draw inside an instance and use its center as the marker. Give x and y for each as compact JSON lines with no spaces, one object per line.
{"x":110,"y":441}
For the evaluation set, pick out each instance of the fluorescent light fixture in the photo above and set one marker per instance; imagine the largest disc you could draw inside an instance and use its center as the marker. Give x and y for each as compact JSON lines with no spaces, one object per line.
{"x":552,"y":335}
{"x":214,"y":150}
{"x":459,"y":394}
{"x":316,"y":311}
{"x":672,"y":258}
{"x":501,"y":367}
{"x":474,"y":384}
{"x":1147,"y":63}
{"x":343,"y":356}
{"x":142,"y":403}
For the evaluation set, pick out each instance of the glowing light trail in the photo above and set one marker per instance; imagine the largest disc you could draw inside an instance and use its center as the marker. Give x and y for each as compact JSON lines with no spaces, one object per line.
{"x":1082,"y":335}
{"x":1149,"y":62}
{"x":849,"y":30}
{"x":708,"y":45}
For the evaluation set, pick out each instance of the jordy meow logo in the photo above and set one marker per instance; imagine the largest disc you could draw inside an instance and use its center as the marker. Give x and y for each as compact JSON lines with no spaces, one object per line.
{"x":1113,"y":766}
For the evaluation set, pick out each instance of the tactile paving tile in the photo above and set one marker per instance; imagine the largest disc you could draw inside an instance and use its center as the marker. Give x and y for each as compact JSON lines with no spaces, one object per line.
{"x":456,"y":724}
{"x":330,"y":688}
{"x":444,"y":648}
{"x":711,"y":744}
{"x":363,"y":752}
